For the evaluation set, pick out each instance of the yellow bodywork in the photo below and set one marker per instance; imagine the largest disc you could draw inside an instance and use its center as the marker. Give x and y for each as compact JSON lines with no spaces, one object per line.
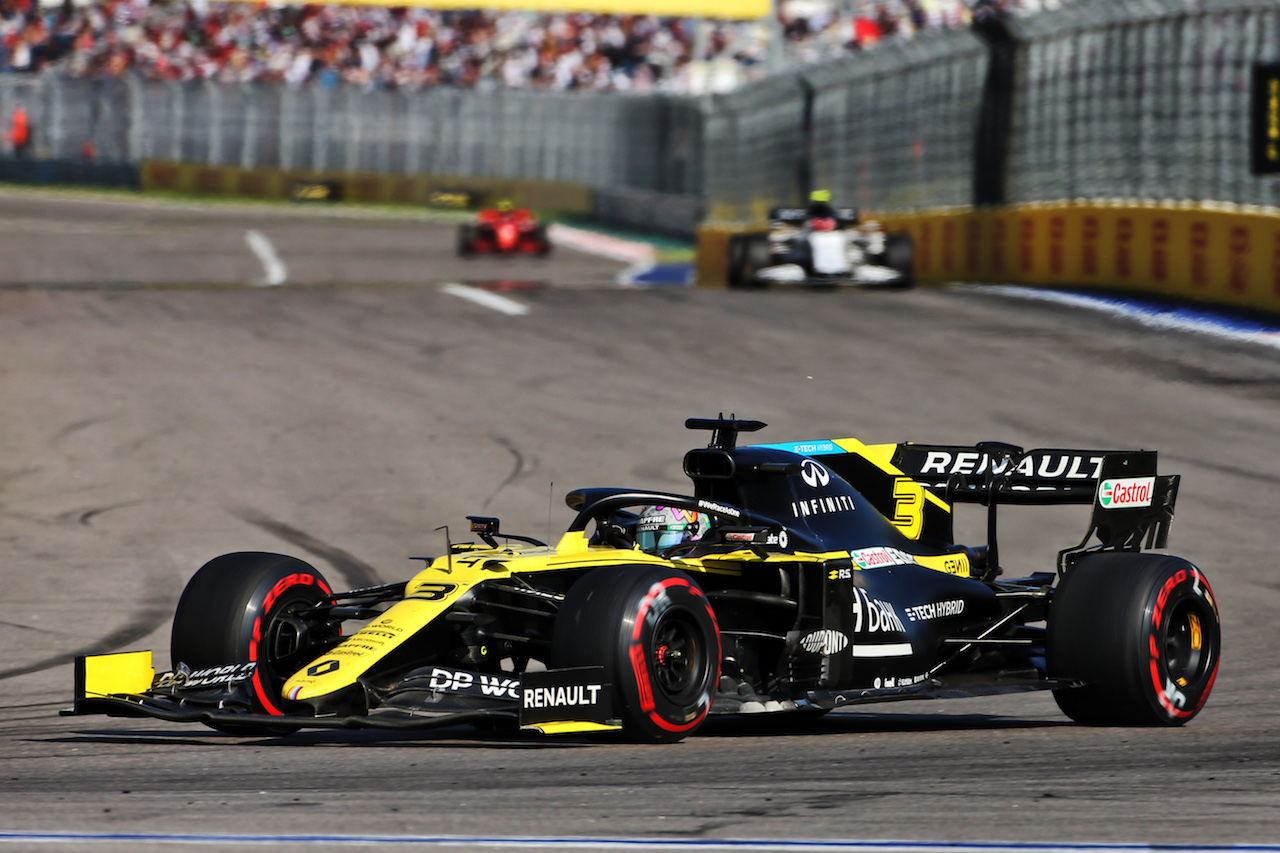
{"x":121,"y":672}
{"x":435,"y":589}
{"x":573,"y":727}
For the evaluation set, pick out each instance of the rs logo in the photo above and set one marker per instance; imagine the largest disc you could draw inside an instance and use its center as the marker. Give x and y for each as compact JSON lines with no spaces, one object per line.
{"x":814,"y":474}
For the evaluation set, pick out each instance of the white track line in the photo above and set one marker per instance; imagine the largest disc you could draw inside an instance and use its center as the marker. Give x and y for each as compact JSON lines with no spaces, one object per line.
{"x":275,"y":268}
{"x":487,"y":299}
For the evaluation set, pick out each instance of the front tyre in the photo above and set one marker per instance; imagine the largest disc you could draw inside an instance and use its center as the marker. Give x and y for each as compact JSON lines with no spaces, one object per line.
{"x":653,"y":631}
{"x":1142,"y":630}
{"x":249,"y":607}
{"x":466,"y":240}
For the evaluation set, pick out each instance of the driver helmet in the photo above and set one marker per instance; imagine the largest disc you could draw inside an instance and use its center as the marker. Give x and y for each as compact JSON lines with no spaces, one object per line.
{"x":662,"y":527}
{"x":820,"y":209}
{"x":505,"y":206}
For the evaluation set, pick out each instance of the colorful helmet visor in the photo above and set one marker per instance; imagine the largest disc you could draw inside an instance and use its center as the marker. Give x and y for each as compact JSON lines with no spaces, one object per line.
{"x":663,"y":527}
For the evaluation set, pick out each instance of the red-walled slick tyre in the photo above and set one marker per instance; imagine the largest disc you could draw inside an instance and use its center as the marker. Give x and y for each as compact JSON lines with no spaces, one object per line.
{"x":1142,"y":631}
{"x":653,"y":631}
{"x":246,"y":607}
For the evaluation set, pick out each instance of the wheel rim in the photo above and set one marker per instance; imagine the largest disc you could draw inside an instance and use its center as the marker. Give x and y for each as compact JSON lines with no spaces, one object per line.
{"x":678,"y":658}
{"x":1187,"y":652}
{"x":289,"y":641}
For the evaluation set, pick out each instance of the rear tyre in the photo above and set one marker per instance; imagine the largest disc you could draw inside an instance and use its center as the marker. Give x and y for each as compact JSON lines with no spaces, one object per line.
{"x":653,"y":631}
{"x":246,"y":607}
{"x":747,"y":255}
{"x":1142,"y":631}
{"x":899,"y":254}
{"x":543,"y":242}
{"x":735,"y":256}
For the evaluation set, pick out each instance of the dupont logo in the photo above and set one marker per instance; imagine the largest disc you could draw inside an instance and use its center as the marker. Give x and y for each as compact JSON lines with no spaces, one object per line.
{"x":1123,"y":494}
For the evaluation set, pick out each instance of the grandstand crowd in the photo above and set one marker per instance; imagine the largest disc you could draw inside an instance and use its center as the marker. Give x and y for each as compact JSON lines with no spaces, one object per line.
{"x":414,"y":47}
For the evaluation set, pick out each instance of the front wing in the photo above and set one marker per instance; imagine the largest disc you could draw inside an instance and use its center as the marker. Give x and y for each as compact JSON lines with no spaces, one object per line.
{"x":568,"y":701}
{"x":553,"y":702}
{"x":862,"y":275}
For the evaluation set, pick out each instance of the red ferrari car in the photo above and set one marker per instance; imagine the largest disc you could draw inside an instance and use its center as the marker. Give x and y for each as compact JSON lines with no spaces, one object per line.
{"x":503,"y":230}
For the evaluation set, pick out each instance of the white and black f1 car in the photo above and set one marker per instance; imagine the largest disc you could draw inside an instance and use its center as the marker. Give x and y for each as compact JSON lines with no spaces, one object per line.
{"x":797,"y":577}
{"x":802,"y":249}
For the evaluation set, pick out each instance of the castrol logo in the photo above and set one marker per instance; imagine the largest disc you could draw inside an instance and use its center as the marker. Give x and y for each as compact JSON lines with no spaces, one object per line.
{"x":1127,"y":493}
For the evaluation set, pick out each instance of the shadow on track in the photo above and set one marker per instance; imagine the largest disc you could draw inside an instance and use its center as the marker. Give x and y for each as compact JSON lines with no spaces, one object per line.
{"x":466,"y":737}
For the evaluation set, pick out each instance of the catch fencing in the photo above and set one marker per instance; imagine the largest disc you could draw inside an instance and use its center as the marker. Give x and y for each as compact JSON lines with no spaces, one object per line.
{"x":1109,"y":99}
{"x":652,"y":143}
{"x":1127,"y":99}
{"x":1142,"y":99}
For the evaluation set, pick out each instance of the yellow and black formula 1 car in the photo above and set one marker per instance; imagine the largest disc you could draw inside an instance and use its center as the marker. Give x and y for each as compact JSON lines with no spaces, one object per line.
{"x":796,"y":578}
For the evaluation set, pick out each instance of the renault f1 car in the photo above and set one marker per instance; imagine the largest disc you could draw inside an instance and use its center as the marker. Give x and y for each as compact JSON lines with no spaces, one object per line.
{"x":503,"y":230}
{"x":796,"y":578}
{"x":802,"y":249}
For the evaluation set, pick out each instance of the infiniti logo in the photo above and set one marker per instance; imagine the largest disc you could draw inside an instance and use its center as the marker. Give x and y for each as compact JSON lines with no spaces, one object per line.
{"x":814,"y":474}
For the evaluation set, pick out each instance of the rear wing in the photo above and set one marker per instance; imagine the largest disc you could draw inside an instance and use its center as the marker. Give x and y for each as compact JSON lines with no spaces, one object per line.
{"x":916,"y":485}
{"x":845,"y":216}
{"x":962,"y":474}
{"x":1132,"y":503}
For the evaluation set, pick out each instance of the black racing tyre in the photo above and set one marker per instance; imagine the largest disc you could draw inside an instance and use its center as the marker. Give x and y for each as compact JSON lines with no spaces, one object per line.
{"x":736,"y":256}
{"x":1142,"y":630}
{"x":466,"y":240}
{"x":244,"y":607}
{"x":758,"y":257}
{"x":747,"y":255}
{"x":543,"y":241}
{"x":653,"y":631}
{"x":899,"y":254}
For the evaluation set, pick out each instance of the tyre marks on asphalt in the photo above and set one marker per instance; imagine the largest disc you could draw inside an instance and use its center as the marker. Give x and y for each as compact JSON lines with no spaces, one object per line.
{"x":520,"y":467}
{"x":75,"y":427}
{"x":637,"y":844}
{"x":86,"y":516}
{"x":357,"y":573}
{"x":156,"y":609}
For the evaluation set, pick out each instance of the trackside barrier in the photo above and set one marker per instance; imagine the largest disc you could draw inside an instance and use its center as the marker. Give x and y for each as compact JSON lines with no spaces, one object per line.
{"x":1227,"y":255}
{"x":548,"y":197}
{"x":14,"y":170}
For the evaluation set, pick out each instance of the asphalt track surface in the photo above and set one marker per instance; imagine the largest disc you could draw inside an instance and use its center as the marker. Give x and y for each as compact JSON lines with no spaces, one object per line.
{"x":162,"y":406}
